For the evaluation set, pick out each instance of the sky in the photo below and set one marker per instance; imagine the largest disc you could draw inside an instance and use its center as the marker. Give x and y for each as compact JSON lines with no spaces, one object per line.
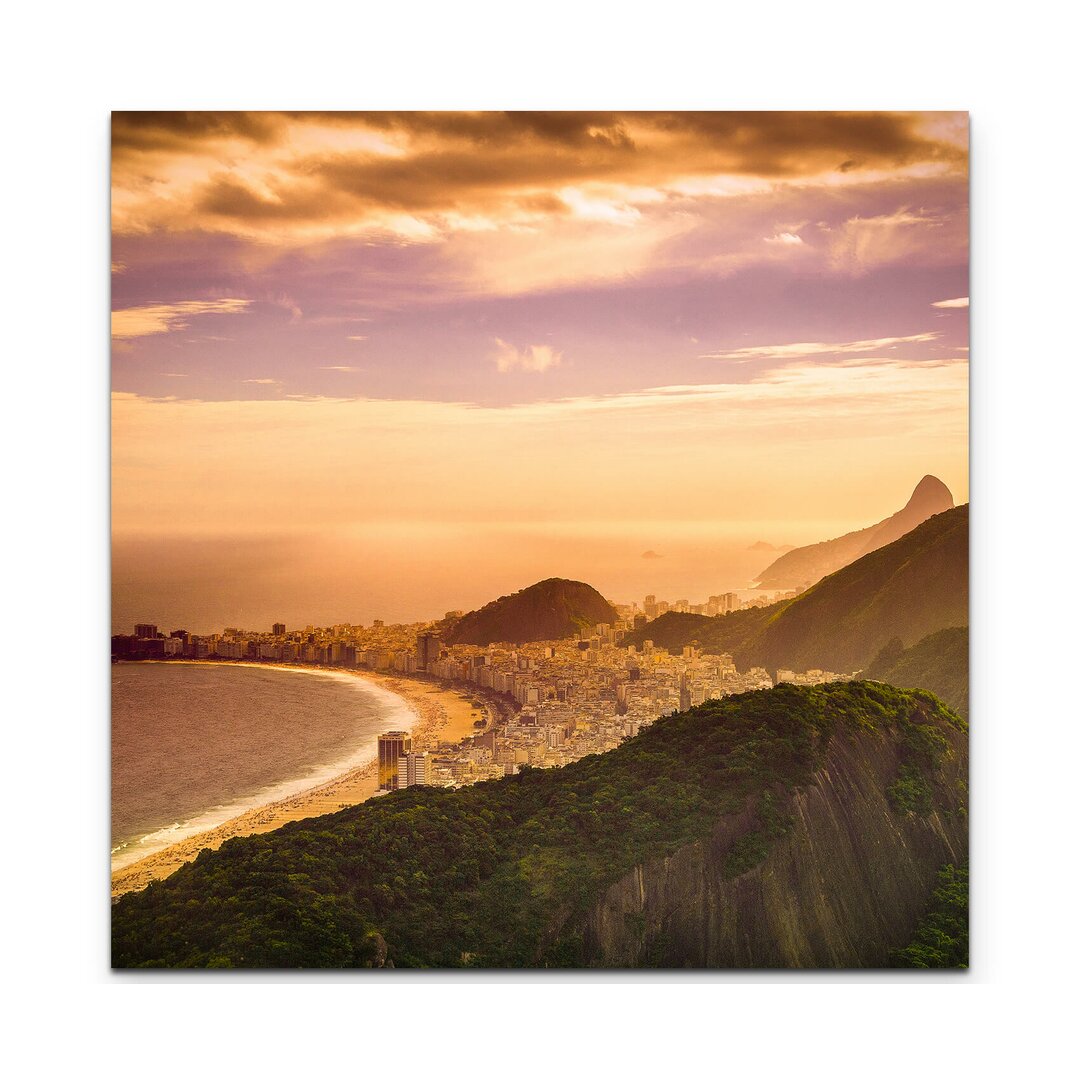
{"x":388,"y":365}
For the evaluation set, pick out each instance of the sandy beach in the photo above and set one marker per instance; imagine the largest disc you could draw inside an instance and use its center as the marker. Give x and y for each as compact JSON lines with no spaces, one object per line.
{"x":443,"y":717}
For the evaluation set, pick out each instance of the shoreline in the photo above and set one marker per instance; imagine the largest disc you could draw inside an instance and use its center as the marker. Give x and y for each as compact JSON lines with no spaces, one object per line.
{"x":441,"y":715}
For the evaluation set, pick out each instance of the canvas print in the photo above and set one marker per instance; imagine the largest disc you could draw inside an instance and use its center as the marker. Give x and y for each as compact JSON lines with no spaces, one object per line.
{"x":539,"y":540}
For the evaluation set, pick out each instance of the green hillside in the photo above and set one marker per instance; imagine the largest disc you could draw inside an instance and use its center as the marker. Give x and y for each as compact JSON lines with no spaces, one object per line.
{"x":550,"y":610}
{"x":907,"y":590}
{"x":938,"y":663}
{"x":503,"y":873}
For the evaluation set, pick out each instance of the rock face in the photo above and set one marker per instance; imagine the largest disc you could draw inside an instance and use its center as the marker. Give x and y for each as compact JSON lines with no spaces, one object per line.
{"x":804,"y":566}
{"x":550,"y":610}
{"x":847,"y":884}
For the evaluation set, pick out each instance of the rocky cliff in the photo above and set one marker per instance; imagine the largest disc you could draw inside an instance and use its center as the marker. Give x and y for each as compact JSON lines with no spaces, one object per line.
{"x":847,"y":883}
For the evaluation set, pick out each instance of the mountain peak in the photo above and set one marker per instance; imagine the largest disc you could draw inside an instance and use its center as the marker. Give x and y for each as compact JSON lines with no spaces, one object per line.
{"x":803,"y":566}
{"x":931,"y":491}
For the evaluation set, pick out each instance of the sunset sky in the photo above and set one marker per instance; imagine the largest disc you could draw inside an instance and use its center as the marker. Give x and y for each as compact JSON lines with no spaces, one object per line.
{"x":384,"y":365}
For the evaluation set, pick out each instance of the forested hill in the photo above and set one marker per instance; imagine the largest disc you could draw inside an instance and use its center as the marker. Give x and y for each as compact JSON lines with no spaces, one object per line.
{"x":653,"y":854}
{"x":938,"y":663}
{"x":550,"y":610}
{"x":906,"y":590}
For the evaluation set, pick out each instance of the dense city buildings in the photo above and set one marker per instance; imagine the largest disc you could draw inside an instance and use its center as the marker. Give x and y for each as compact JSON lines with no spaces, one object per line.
{"x":543,"y":704}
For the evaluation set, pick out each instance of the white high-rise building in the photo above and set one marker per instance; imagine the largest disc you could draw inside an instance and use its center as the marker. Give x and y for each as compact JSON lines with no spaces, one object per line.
{"x":414,"y":770}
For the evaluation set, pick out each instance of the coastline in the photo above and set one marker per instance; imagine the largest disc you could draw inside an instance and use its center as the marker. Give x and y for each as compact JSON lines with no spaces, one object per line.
{"x":442,"y":715}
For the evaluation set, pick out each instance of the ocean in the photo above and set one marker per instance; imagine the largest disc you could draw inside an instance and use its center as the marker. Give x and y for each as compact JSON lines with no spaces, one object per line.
{"x":193,"y":745}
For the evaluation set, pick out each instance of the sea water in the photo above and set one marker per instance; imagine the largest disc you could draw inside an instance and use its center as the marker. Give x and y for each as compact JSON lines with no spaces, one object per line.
{"x":193,"y":745}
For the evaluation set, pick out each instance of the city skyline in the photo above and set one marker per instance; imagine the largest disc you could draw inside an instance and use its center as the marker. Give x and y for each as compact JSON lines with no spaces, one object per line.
{"x":385,"y":365}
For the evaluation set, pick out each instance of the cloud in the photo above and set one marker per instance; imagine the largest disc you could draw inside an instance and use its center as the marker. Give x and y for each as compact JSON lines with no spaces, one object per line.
{"x":785,"y":238}
{"x":287,"y":303}
{"x":163,"y":318}
{"x":357,"y":337}
{"x":862,"y":243}
{"x":818,"y":348}
{"x":535,"y":358}
{"x":651,"y":555}
{"x":264,"y":382}
{"x":281,"y":174}
{"x":150,"y":131}
{"x":340,"y":367}
{"x":519,"y":203}
{"x":959,"y":302}
{"x":771,"y":136}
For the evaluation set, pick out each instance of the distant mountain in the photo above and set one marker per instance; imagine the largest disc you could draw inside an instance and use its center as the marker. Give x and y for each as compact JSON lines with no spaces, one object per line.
{"x":802,"y":567}
{"x":797,"y":827}
{"x":550,"y":610}
{"x":938,"y":663}
{"x":908,"y":589}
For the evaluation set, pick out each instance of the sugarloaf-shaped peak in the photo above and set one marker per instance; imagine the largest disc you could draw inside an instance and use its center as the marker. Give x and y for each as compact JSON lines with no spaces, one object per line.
{"x":550,"y":610}
{"x":931,"y":493}
{"x":930,"y":497}
{"x":803,"y":566}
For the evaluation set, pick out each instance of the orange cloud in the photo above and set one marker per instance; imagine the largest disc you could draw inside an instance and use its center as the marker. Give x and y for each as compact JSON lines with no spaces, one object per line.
{"x":300,"y":175}
{"x":161,"y":318}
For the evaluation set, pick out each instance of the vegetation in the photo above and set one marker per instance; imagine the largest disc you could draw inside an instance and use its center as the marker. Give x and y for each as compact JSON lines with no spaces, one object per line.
{"x":501,"y":874}
{"x":753,"y":848}
{"x":941,"y":939}
{"x":907,"y":589}
{"x":550,"y":610}
{"x":938,"y":663}
{"x":911,"y":794}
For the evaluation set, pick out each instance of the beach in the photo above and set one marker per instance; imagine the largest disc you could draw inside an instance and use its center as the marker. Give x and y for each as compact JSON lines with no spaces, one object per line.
{"x":442,"y":716}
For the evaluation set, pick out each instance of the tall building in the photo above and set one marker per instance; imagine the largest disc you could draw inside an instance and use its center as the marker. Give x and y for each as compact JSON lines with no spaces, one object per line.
{"x":145,"y":630}
{"x":414,"y":770}
{"x":279,"y":629}
{"x":428,"y":647}
{"x":392,"y":744}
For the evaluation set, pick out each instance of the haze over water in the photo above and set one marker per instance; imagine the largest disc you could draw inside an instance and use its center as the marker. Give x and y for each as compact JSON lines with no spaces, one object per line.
{"x":420,"y":575}
{"x":193,"y":745}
